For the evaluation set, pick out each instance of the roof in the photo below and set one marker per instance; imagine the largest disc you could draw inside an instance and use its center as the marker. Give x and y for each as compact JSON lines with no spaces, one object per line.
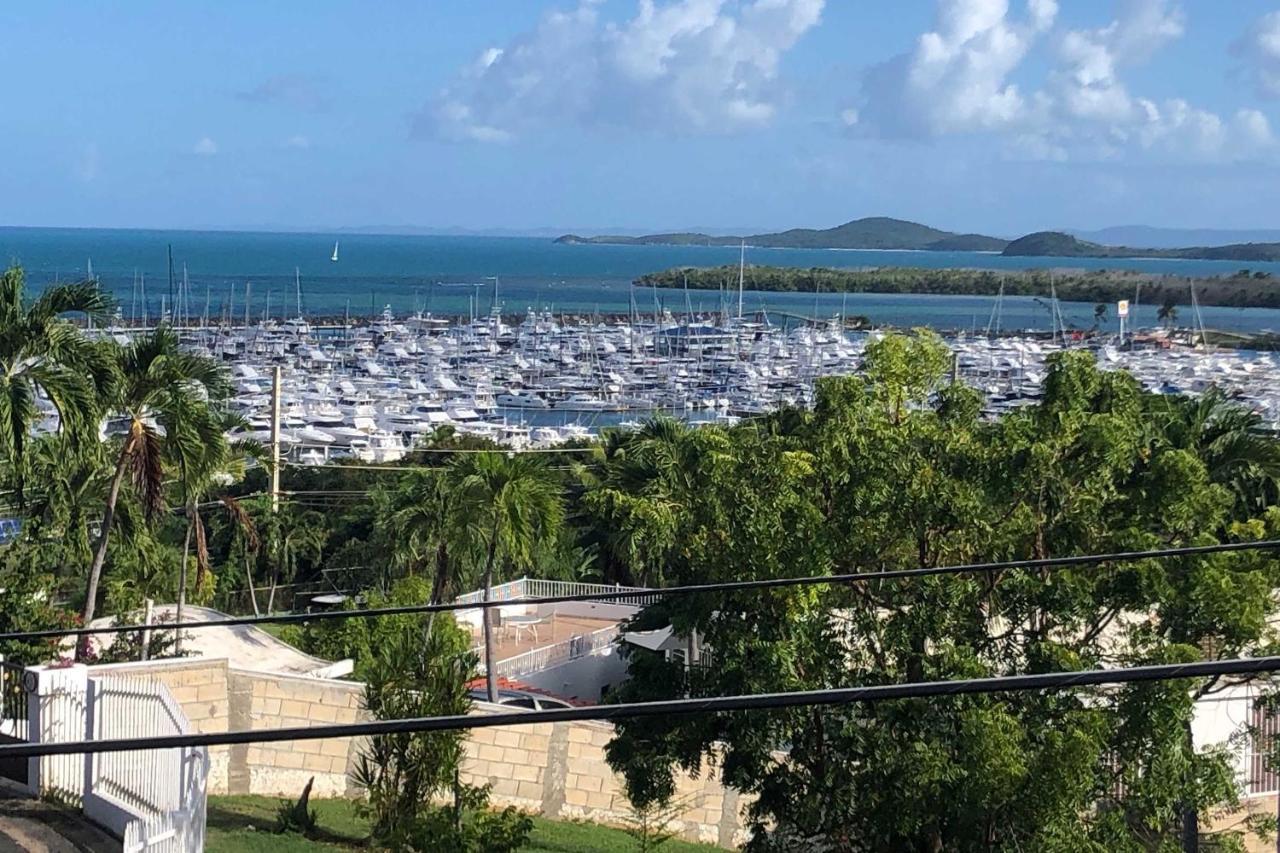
{"x":244,"y":646}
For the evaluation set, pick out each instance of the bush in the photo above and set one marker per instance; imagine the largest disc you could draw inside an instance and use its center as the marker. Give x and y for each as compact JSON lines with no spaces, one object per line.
{"x":297,"y":817}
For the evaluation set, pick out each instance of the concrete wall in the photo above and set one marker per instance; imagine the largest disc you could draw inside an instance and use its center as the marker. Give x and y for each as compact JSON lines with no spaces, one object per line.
{"x":555,"y":770}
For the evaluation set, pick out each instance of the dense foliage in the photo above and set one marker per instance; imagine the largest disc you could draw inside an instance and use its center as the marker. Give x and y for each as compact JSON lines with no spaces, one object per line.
{"x":1239,"y":291}
{"x":893,"y":468}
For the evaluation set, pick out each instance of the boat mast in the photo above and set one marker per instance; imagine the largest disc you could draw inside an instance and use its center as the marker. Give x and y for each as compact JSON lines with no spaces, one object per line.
{"x":170,"y":280}
{"x":297,"y":284}
{"x":742,"y":266}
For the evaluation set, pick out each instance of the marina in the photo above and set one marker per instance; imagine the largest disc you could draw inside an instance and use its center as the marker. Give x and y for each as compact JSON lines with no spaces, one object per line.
{"x":373,"y":391}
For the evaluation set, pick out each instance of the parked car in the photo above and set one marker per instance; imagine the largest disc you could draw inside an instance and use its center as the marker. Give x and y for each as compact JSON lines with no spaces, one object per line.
{"x":521,"y":699}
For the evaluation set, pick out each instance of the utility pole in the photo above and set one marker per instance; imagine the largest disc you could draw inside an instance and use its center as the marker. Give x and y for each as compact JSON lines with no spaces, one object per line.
{"x":275,"y":440}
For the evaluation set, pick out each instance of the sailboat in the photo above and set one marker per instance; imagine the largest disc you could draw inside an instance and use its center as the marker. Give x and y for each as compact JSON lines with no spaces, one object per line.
{"x":334,"y":257}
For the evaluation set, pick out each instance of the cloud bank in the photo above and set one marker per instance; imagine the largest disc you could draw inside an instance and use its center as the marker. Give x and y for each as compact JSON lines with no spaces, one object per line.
{"x":694,"y":66}
{"x":958,"y":80}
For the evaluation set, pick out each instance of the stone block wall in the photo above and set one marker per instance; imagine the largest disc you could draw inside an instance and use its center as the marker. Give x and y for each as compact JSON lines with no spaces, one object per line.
{"x":556,"y":770}
{"x":263,"y":701}
{"x":559,"y":770}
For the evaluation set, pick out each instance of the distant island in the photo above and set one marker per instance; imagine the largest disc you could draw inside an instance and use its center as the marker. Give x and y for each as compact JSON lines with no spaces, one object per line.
{"x":1055,"y":244}
{"x":882,"y":232}
{"x":1244,"y":289}
{"x":875,"y":232}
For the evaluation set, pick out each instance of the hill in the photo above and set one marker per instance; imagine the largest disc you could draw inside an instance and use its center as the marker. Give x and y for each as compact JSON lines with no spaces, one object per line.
{"x":1055,"y":244}
{"x":874,"y":232}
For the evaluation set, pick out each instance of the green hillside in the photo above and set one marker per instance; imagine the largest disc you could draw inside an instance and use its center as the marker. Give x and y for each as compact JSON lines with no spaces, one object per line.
{"x":873,"y":232}
{"x":1054,"y":244}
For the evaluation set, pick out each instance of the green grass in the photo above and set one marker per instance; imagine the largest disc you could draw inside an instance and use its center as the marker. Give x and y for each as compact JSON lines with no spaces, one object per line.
{"x":247,"y":825}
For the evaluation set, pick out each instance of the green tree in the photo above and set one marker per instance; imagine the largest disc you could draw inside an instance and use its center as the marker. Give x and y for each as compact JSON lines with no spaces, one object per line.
{"x":1230,"y":439}
{"x":424,"y":673}
{"x":42,"y":354}
{"x":896,"y":469}
{"x":419,"y":519}
{"x":505,"y":505}
{"x":158,"y":385}
{"x":637,"y":485}
{"x":296,"y":534}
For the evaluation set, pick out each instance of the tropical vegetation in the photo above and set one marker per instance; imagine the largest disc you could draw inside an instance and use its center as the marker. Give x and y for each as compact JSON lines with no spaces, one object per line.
{"x":1241,"y":290}
{"x":896,"y":467}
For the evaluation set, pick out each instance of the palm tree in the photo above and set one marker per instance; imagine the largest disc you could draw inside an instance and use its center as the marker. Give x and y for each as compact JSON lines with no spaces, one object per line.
{"x":296,"y":534}
{"x":69,"y":479}
{"x":504,"y":505}
{"x":1229,"y":439}
{"x":43,"y":354}
{"x":195,"y":440}
{"x":418,"y":516}
{"x":1167,"y":313}
{"x":245,"y":530}
{"x":158,"y":387}
{"x":636,"y":494}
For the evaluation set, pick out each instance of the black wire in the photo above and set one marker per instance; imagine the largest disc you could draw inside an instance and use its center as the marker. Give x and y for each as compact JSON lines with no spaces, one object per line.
{"x":636,"y":710}
{"x":651,"y":594}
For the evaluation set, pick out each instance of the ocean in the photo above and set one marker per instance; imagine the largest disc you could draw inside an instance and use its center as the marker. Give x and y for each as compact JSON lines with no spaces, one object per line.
{"x":412,"y":273}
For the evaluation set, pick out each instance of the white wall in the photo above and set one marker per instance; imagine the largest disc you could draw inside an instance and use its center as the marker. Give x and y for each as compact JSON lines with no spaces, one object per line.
{"x":1222,"y":719}
{"x":582,"y":678}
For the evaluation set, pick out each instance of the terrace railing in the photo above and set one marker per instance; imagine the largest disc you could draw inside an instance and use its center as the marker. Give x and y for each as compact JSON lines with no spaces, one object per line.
{"x":538,"y":588}
{"x":555,"y":654}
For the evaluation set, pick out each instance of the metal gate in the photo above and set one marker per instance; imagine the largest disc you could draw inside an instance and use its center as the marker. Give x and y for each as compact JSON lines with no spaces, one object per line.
{"x":14,"y":719}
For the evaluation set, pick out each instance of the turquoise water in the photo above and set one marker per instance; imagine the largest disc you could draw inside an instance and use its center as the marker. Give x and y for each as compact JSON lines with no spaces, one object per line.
{"x":408,"y":273}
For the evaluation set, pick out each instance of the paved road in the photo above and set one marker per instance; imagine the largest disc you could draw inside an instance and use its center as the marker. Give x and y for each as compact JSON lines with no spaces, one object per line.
{"x":32,"y":826}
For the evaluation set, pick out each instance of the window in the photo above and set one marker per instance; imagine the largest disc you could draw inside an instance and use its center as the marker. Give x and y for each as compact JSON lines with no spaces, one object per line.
{"x":1265,"y":725}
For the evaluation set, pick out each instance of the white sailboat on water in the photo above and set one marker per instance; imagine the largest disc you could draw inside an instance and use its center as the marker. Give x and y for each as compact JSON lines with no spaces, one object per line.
{"x":334,"y":256}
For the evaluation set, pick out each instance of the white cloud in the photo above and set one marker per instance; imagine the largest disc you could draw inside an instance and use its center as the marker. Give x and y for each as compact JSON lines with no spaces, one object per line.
{"x":963,"y":78}
{"x":1088,"y":85}
{"x":957,"y":78}
{"x":684,"y":65}
{"x":1259,"y":48}
{"x":298,"y":142}
{"x":205,"y":147}
{"x":295,"y":91}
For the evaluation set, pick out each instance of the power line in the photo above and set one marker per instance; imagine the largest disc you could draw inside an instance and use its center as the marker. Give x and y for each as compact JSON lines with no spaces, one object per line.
{"x":692,"y":589}
{"x":637,"y":710}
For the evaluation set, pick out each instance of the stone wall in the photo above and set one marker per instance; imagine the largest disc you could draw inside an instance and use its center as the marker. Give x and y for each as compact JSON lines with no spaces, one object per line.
{"x":557,"y":770}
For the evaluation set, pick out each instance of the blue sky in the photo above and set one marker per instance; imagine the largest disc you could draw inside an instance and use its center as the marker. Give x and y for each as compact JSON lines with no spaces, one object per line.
{"x":980,"y":115}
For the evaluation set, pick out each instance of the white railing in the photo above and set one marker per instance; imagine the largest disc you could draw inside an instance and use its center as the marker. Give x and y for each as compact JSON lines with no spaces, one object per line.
{"x":538,"y":588}
{"x":153,"y":799}
{"x":545,"y":657}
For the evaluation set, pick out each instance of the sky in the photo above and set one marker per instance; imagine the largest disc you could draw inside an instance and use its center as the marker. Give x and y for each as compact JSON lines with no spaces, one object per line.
{"x":995,"y":116}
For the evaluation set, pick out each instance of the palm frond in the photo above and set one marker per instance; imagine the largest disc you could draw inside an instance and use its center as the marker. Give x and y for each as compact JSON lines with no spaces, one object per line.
{"x":243,"y":522}
{"x":146,"y":466}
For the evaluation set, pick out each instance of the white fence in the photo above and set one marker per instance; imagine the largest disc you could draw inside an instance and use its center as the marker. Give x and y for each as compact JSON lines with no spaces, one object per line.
{"x":536,"y":660}
{"x":537,"y":588}
{"x":153,"y":799}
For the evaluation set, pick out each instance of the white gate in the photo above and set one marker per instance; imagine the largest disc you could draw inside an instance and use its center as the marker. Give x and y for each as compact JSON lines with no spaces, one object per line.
{"x":154,"y":799}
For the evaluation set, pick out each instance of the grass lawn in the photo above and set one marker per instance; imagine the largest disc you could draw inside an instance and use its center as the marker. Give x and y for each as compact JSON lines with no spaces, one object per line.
{"x":230,"y":819}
